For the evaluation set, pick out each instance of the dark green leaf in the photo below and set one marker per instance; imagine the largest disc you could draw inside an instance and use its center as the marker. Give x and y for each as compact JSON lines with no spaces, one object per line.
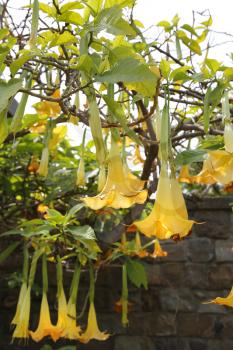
{"x":136,"y":273}
{"x":4,"y":255}
{"x":190,"y":156}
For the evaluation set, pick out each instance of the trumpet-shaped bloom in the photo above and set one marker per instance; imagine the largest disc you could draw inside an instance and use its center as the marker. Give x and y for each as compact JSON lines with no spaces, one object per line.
{"x":158,"y":250}
{"x":122,"y":189}
{"x":92,"y":331}
{"x":22,"y":295}
{"x":71,"y":331}
{"x":21,"y":329}
{"x":101,"y":178}
{"x":204,"y":177}
{"x":80,"y":180}
{"x":43,"y":168}
{"x":228,"y":137}
{"x":227,"y":301}
{"x":45,"y":327}
{"x":62,"y":311}
{"x":58,"y":134}
{"x":49,"y":108}
{"x":169,"y":215}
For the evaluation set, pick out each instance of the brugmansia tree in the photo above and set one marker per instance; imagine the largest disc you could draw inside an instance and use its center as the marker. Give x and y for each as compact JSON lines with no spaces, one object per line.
{"x":147,"y":113}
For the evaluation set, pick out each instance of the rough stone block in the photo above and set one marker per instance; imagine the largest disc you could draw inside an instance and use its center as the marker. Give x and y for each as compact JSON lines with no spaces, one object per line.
{"x":136,"y":343}
{"x":172,"y":274}
{"x":220,"y":276}
{"x":194,"y":325}
{"x":196,"y":275}
{"x":170,"y":344}
{"x":223,"y":251}
{"x":176,"y":251}
{"x":220,"y":344}
{"x":177,"y":299}
{"x":215,"y":224}
{"x":200,"y":250}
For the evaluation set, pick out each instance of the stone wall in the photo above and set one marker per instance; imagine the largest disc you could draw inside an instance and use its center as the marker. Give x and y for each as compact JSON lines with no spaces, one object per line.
{"x":169,"y":315}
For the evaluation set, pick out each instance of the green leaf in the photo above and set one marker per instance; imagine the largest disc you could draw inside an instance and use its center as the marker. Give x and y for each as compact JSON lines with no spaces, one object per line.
{"x":71,"y":17}
{"x":85,"y":231}
{"x":212,"y":64}
{"x":73,"y":211}
{"x":25,"y":56}
{"x":55,"y":216}
{"x":164,"y":24}
{"x":121,"y":27}
{"x":208,"y":23}
{"x":3,"y":33}
{"x":71,"y":6}
{"x":64,"y":38}
{"x":7,"y":252}
{"x":127,"y":70}
{"x":190,"y":156}
{"x":136,"y":273}
{"x":8,"y":90}
{"x":189,"y":29}
{"x":192,"y":45}
{"x":51,"y":11}
{"x":3,"y":53}
{"x":178,"y":48}
{"x":165,"y":68}
{"x":117,"y":111}
{"x":4,"y":128}
{"x":180,"y":73}
{"x":106,"y":19}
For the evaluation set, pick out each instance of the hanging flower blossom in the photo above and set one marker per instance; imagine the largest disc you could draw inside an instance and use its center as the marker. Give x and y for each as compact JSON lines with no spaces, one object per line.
{"x":58,"y":135}
{"x":121,"y":189}
{"x":71,"y":331}
{"x":158,"y":250}
{"x":169,"y":215}
{"x":227,"y":301}
{"x":49,"y":108}
{"x":80,"y":180}
{"x":43,"y":168}
{"x":45,"y":327}
{"x":21,"y":329}
{"x":22,"y":294}
{"x":92,"y":331}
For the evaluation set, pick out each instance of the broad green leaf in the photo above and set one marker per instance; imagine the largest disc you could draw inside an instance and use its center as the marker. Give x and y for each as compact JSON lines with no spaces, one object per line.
{"x":190,"y":156}
{"x":71,"y":6}
{"x":192,"y":45}
{"x":8,"y":90}
{"x":72,"y":212}
{"x":85,"y":231}
{"x":228,"y":73}
{"x":3,"y":53}
{"x":25,"y":56}
{"x":127,"y":70}
{"x":212,"y":142}
{"x":216,"y":95}
{"x":7,"y":252}
{"x":106,"y":19}
{"x":95,"y":5}
{"x":86,"y":64}
{"x":55,"y":216}
{"x":212,"y":64}
{"x":175,"y":20}
{"x":180,"y":73}
{"x":121,"y":27}
{"x":50,"y":10}
{"x":3,"y":33}
{"x":189,"y":29}
{"x":71,"y":17}
{"x":208,"y":23}
{"x":164,"y":24}
{"x":136,"y":273}
{"x":165,"y":68}
{"x":64,"y":38}
{"x":117,"y":111}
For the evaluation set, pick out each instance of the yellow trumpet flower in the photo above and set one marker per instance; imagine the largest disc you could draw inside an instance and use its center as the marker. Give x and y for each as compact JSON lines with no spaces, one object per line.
{"x":21,"y":329}
{"x":58,"y":134}
{"x":92,"y":331}
{"x":101,"y":178}
{"x":43,"y":168}
{"x":62,"y":311}
{"x":49,"y":108}
{"x":169,"y":215}
{"x":204,"y":177}
{"x":122,"y":189}
{"x":80,"y":180}
{"x":22,"y":295}
{"x":45,"y":327}
{"x":158,"y":250}
{"x":71,"y":331}
{"x":227,"y":301}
